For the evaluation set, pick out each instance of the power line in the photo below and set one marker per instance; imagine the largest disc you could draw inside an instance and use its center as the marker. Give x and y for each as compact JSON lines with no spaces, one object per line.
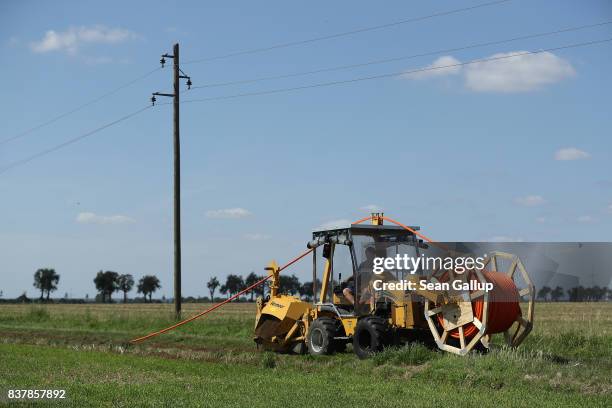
{"x":382,"y":61}
{"x":70,"y":141}
{"x":273,"y":91}
{"x":251,"y":51}
{"x":78,"y":108}
{"x":396,"y":74}
{"x":346,"y":33}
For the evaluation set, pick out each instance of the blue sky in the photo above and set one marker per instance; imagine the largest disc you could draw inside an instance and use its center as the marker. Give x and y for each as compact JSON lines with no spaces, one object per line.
{"x":513,"y":150}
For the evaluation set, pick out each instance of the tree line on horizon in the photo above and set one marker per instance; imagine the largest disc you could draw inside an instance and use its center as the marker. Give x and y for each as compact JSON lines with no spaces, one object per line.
{"x":108,"y":282}
{"x":236,"y":283}
{"x":575,"y":294}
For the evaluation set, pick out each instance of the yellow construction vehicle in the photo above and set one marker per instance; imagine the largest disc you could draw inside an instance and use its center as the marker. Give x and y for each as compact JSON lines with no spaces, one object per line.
{"x":356,"y":310}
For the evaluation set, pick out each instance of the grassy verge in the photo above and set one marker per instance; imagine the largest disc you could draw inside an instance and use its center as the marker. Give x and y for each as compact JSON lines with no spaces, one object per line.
{"x":567,"y":361}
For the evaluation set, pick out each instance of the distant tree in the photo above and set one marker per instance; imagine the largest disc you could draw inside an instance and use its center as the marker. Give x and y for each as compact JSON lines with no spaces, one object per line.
{"x":223,"y":290}
{"x":212,"y":285}
{"x":107,"y":283}
{"x":289,"y":284}
{"x":251,"y":279}
{"x":576,"y":294}
{"x":234,"y":284}
{"x":125,"y":283}
{"x":599,"y":293}
{"x":46,"y":280}
{"x":544,"y":292}
{"x":306,"y":289}
{"x":571,"y":294}
{"x":556,"y":294}
{"x":582,"y":294}
{"x":23,"y":298}
{"x":147,"y":285}
{"x":261,"y":289}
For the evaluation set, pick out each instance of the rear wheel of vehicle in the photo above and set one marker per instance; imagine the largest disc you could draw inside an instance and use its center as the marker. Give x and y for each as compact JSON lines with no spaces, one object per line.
{"x":321,"y":336}
{"x":372,"y":334}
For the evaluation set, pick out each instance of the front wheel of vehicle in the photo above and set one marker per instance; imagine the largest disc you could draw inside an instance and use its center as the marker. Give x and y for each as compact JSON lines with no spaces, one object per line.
{"x":320,"y":337}
{"x":372,"y":335}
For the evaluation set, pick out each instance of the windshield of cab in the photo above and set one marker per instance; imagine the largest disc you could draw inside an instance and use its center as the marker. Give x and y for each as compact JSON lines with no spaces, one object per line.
{"x":367,"y":247}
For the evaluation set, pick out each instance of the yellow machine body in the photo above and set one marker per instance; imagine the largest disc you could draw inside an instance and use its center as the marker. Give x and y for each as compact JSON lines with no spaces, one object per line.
{"x":278,"y":321}
{"x":285,"y":307}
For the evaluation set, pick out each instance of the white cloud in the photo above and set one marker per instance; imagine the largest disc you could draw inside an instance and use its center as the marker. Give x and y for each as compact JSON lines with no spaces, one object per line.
{"x":92,"y":218}
{"x":540,"y":220}
{"x":522,"y":73}
{"x":435,"y":69}
{"x":256,"y":237}
{"x":73,"y":38}
{"x":530,"y":200}
{"x":502,"y":238}
{"x":610,"y":208}
{"x":571,"y":153}
{"x":585,"y":219}
{"x":371,"y":208}
{"x":341,"y":223}
{"x":228,"y":213}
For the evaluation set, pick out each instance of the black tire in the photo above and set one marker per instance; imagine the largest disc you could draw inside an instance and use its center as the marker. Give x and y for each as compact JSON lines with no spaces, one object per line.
{"x":320,"y":337}
{"x":372,"y":335}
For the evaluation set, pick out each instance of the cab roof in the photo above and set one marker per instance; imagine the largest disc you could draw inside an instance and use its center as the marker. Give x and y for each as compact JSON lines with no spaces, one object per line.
{"x":344,"y":235}
{"x":363,"y":228}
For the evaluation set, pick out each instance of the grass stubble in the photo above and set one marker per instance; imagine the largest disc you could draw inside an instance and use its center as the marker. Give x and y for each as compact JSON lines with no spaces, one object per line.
{"x":566,"y":361}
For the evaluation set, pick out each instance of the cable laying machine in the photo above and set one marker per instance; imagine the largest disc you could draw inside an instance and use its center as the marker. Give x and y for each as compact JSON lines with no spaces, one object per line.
{"x":358,"y":311}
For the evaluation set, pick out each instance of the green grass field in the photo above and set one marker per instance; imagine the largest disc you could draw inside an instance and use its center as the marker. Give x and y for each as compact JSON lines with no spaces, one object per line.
{"x":566,"y":361}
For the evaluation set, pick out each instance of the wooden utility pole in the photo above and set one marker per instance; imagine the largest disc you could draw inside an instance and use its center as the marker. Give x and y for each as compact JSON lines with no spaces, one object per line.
{"x":177,"y":187}
{"x":177,"y":74}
